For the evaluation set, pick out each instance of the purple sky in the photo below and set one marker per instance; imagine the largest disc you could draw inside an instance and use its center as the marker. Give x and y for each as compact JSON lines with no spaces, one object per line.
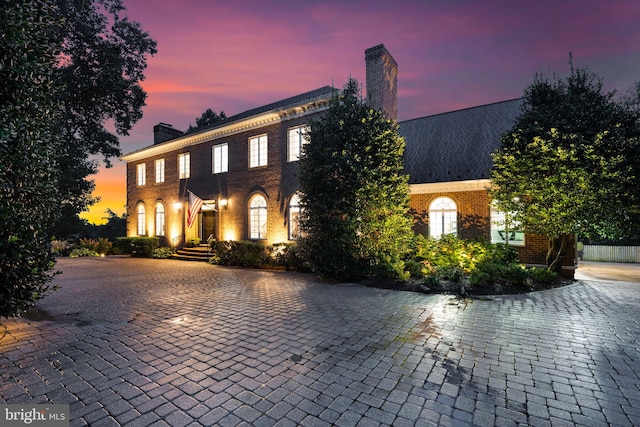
{"x":241,"y":54}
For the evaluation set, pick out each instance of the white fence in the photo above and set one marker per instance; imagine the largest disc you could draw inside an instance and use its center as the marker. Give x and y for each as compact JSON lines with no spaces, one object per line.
{"x":611,"y":253}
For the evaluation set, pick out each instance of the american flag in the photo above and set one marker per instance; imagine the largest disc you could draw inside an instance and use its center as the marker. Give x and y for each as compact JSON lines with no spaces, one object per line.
{"x":195,"y":203}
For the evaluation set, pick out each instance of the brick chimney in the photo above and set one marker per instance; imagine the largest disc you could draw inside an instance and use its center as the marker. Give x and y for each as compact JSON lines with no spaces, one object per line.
{"x":382,"y":80}
{"x":163,"y":132}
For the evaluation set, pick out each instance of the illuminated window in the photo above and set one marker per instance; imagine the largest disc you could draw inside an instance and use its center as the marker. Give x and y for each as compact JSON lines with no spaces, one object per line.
{"x":184,"y":165}
{"x":258,"y":217}
{"x":443,"y":217}
{"x":160,"y":219}
{"x":258,"y":151}
{"x":160,"y":170}
{"x":221,"y":158}
{"x":141,"y":173}
{"x":294,"y":217}
{"x":295,"y":142}
{"x":505,"y":231}
{"x":142,"y":229}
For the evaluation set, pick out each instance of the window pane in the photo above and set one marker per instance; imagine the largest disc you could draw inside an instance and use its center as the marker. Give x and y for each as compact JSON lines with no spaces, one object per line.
{"x":443,"y":217}
{"x":141,"y":220}
{"x":295,"y":141}
{"x":141,"y":172}
{"x":258,"y":151}
{"x":184,"y":165}
{"x":258,"y":218}
{"x":294,"y":217}
{"x":160,"y":170}
{"x":503,"y":232}
{"x":160,"y":220}
{"x":220,"y":158}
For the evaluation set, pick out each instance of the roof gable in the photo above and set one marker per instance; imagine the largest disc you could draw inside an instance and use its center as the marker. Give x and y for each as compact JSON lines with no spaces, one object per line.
{"x":456,"y":146}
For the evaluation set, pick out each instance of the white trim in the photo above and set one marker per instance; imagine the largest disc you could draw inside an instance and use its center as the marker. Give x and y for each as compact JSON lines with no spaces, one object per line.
{"x":450,"y":186}
{"x":318,"y":104}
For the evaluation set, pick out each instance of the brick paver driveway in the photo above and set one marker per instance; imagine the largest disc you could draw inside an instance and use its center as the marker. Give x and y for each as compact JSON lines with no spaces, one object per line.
{"x":159,"y":342}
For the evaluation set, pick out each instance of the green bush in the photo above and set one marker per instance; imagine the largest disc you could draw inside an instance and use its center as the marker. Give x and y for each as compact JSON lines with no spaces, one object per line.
{"x":240,"y":253}
{"x":81,"y":252}
{"x":449,"y":252}
{"x":289,"y":256}
{"x":137,"y":246}
{"x":542,"y":276}
{"x":191,"y":243}
{"x":60,"y":247}
{"x":162,"y":253}
{"x":123,"y":245}
{"x":101,"y":245}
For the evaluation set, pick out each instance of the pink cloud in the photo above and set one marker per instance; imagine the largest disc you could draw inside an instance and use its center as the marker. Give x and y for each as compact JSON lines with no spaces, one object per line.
{"x":237,"y":55}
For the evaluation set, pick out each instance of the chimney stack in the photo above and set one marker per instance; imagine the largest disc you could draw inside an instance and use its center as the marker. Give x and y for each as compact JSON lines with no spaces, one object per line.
{"x":163,"y":132}
{"x":382,"y":80}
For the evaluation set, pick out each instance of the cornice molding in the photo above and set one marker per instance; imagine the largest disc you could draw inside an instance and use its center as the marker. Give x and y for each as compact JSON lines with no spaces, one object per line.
{"x":315,"y":105}
{"x":450,"y":186}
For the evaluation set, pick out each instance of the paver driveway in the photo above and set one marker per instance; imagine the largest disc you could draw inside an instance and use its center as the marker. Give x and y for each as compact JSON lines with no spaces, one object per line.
{"x":159,"y":342}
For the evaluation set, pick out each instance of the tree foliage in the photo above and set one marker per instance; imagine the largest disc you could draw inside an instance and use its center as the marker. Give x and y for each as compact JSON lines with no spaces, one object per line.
{"x":102,"y":57}
{"x":28,"y":173}
{"x":355,"y":197}
{"x":570,"y":163}
{"x":209,"y":117}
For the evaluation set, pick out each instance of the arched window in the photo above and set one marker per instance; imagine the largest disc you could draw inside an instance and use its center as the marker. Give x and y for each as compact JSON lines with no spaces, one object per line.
{"x":294,"y":217}
{"x":142,"y":229}
{"x":443,"y":217}
{"x":258,"y":217}
{"x":160,"y":219}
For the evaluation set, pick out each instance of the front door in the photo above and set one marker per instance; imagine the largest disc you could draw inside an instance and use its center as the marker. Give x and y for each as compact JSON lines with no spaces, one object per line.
{"x":208,"y":225}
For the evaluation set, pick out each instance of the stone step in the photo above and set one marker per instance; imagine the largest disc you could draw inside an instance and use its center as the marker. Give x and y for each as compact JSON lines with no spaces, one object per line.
{"x":196,"y":253}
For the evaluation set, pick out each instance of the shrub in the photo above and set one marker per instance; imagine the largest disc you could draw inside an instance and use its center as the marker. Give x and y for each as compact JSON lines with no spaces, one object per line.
{"x":81,"y":252}
{"x":162,"y":253}
{"x":60,"y":247}
{"x":192,"y":242}
{"x":101,"y":245}
{"x":542,"y":276}
{"x":448,"y":252}
{"x":240,"y":253}
{"x":288,"y":255}
{"x":137,"y":246}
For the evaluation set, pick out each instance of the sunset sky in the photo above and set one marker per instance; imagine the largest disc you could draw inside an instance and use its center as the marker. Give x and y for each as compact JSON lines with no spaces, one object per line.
{"x":240,"y":54}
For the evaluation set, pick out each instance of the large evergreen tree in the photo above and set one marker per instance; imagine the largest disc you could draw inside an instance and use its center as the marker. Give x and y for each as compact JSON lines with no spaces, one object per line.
{"x":569,"y":164}
{"x":209,"y":117}
{"x":29,"y":199}
{"x":355,"y":197}
{"x":101,"y":62}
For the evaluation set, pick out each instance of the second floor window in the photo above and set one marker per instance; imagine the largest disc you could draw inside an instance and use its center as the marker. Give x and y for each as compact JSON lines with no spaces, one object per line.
{"x":184,"y":165}
{"x":160,"y":170}
{"x":258,"y":151}
{"x":141,"y":173}
{"x":295,"y":141}
{"x":221,"y":158}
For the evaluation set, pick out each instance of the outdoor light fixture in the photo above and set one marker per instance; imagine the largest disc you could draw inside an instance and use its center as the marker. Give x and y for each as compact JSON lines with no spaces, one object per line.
{"x":223,"y":203}
{"x":177,"y":205}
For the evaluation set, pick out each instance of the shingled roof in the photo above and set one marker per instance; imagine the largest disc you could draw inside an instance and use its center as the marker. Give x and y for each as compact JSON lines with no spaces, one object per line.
{"x":456,"y":146}
{"x":325,"y":90}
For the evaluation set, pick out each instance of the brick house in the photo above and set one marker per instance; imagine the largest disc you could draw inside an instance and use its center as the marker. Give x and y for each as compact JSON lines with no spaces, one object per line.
{"x":245,"y":170}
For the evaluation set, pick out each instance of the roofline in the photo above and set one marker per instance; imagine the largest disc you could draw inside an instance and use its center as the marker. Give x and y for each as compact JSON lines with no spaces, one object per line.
{"x":463,"y":109}
{"x":450,"y":186}
{"x":276,"y":115}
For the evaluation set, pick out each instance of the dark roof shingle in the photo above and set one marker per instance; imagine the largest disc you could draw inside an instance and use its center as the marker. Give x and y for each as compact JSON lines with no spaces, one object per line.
{"x":325,"y":90}
{"x":456,"y":146}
